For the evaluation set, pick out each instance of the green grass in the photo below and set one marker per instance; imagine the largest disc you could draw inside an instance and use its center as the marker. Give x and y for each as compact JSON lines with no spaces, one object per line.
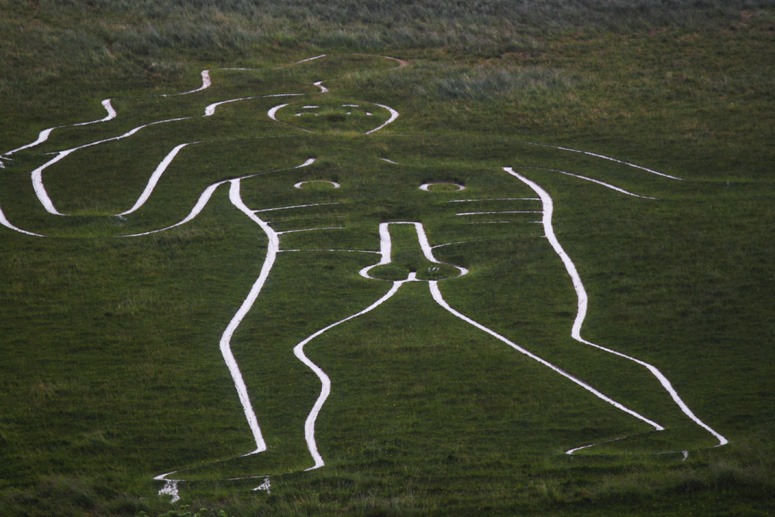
{"x":110,"y":372}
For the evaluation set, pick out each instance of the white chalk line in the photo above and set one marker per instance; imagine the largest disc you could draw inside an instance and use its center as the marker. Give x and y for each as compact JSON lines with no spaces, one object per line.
{"x":291,"y":207}
{"x":393,"y":116}
{"x":170,"y":487}
{"x":500,"y":212}
{"x":312,"y":229}
{"x":266,"y":486}
{"x":371,"y":252}
{"x":583,"y":301}
{"x":298,"y":351}
{"x":154,"y":179}
{"x":225,"y":343}
{"x":5,"y":222}
{"x":386,"y":246}
{"x":604,"y":157}
{"x":427,"y":186}
{"x":570,"y":452}
{"x":598,"y":182}
{"x":308,"y":59}
{"x":307,"y":163}
{"x":206,"y":82}
{"x":283,"y":95}
{"x":43,"y":135}
{"x":444,"y":245}
{"x":436,"y":293}
{"x":401,"y":62}
{"x":494,"y":199}
{"x":473,"y":241}
{"x":301,"y":184}
{"x":272,"y":114}
{"x":489,"y":222}
{"x":210,"y":109}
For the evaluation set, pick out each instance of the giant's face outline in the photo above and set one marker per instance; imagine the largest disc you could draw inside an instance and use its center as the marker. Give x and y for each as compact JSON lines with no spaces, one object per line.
{"x":334,"y":116}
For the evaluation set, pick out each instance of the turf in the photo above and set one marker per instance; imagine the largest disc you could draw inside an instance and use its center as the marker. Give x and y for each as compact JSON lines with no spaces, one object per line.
{"x":111,"y":372}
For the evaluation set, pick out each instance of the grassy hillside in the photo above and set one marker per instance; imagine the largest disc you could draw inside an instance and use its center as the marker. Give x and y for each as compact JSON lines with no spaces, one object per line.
{"x":112,"y":369}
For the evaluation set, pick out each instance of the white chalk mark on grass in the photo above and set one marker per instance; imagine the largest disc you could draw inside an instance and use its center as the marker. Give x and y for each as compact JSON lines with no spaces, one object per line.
{"x":225,"y":344}
{"x":583,"y":301}
{"x":309,"y":59}
{"x":500,"y":212}
{"x":170,"y":487}
{"x":266,"y":486}
{"x":601,"y":183}
{"x":388,"y":160}
{"x":472,"y":241}
{"x":489,"y":222}
{"x":371,"y":252}
{"x":401,"y":62}
{"x":272,"y":113}
{"x":494,"y":199}
{"x":298,"y":350}
{"x":37,"y":174}
{"x":43,"y":135}
{"x":312,"y":229}
{"x":570,"y":452}
{"x":40,"y":189}
{"x":393,"y":116}
{"x":436,"y":293}
{"x":154,"y":179}
{"x":604,"y":157}
{"x":284,"y":95}
{"x":210,"y":109}
{"x":206,"y":82}
{"x":5,"y":222}
{"x":291,"y":207}
{"x":301,"y":184}
{"x":427,"y":187}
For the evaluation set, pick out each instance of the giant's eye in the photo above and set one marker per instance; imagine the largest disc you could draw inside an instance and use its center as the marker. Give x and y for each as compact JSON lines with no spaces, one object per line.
{"x":442,"y":186}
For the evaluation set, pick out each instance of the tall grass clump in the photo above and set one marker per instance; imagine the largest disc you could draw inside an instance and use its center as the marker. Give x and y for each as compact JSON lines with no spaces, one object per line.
{"x":482,"y":83}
